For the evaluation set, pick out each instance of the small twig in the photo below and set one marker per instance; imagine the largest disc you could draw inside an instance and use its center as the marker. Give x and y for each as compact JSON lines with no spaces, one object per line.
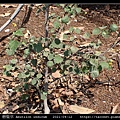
{"x":5,"y":77}
{"x":12,"y":17}
{"x":112,"y":46}
{"x":60,"y":104}
{"x":118,"y":61}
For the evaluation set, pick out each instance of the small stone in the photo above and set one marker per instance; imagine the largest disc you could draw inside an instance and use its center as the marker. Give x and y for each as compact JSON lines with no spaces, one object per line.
{"x":7,"y":30}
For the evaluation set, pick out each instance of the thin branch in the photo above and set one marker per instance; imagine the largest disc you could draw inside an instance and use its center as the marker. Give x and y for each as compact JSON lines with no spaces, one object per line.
{"x":117,"y":40}
{"x":12,"y":17}
{"x":46,"y":108}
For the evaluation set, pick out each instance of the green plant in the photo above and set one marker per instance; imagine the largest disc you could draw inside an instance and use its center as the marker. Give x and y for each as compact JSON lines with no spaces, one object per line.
{"x":105,"y":31}
{"x":45,"y":55}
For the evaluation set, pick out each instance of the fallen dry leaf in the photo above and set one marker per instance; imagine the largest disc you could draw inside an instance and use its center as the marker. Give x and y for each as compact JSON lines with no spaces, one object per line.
{"x":80,"y":110}
{"x":15,"y":108}
{"x":57,"y":95}
{"x":27,"y":34}
{"x":33,"y":110}
{"x":62,"y":33}
{"x":61,"y":89}
{"x":5,"y":112}
{"x":68,"y":32}
{"x":80,"y":93}
{"x":65,"y":110}
{"x":13,"y":84}
{"x":87,"y":77}
{"x":73,"y":87}
{"x":56,"y":74}
{"x":6,"y":77}
{"x":60,"y":102}
{"x":18,"y":106}
{"x":5,"y":14}
{"x":68,"y":93}
{"x":8,"y":5}
{"x":84,"y":44}
{"x":114,"y":108}
{"x":2,"y":104}
{"x":1,"y":89}
{"x":81,"y":28}
{"x":38,"y":4}
{"x":15,"y":74}
{"x":55,"y":104}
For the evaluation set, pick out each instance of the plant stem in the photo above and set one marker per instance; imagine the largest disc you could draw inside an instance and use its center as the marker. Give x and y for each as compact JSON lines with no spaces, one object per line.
{"x":46,"y":108}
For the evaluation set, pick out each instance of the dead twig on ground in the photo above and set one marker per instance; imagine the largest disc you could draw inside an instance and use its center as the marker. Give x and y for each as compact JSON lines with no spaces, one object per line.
{"x":117,"y":40}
